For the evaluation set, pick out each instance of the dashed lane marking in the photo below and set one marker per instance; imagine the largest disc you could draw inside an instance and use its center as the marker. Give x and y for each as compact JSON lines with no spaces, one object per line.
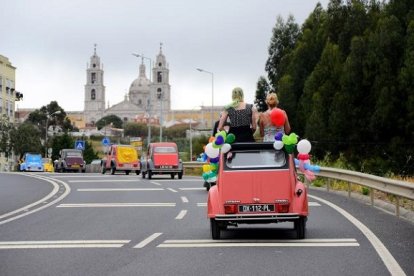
{"x":181,"y":215}
{"x":192,"y":189}
{"x":155,"y":183}
{"x":98,"y":205}
{"x":63,"y":244}
{"x":148,"y":240}
{"x":184,"y":199}
{"x":119,"y":189}
{"x":103,"y":180}
{"x":172,"y":190}
{"x":311,"y":204}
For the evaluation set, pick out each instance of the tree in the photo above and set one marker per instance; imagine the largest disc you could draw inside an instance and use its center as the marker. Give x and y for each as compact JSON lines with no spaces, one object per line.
{"x":26,"y":138}
{"x":57,"y":117}
{"x":261,"y":93}
{"x":5,"y":135}
{"x":114,"y":120}
{"x":89,"y":154}
{"x":135,"y":129}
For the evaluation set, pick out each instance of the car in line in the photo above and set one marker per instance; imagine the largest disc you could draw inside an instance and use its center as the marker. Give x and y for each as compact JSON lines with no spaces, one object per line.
{"x":162,"y":158}
{"x":257,"y":184}
{"x":31,"y":162}
{"x":121,"y":158}
{"x":70,"y":160}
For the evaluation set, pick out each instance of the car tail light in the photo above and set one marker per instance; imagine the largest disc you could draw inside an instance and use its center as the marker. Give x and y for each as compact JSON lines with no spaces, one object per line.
{"x":135,"y":165}
{"x":121,"y":165}
{"x":230,"y":208}
{"x":282,"y":205}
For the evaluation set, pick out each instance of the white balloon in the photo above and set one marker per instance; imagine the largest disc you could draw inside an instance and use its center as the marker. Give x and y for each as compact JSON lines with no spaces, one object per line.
{"x":278,"y":145}
{"x":304,"y":146}
{"x":211,"y":152}
{"x":225,"y":148}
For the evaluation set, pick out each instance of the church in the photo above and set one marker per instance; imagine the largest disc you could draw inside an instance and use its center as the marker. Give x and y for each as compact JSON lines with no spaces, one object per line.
{"x":145,"y":101}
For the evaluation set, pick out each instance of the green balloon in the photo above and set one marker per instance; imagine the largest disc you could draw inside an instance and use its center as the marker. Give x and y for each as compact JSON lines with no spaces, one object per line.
{"x":290,"y":148}
{"x":230,"y":138}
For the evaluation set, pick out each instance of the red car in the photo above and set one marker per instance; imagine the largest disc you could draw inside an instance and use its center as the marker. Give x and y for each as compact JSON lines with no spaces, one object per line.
{"x":162,"y":158}
{"x":257,"y":184}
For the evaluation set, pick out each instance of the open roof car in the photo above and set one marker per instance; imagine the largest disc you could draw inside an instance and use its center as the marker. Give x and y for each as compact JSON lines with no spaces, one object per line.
{"x":257,"y":184}
{"x":162,"y":158}
{"x":32,"y":162}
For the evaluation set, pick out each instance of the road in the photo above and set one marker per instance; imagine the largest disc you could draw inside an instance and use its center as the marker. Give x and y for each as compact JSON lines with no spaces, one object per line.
{"x":92,"y":224}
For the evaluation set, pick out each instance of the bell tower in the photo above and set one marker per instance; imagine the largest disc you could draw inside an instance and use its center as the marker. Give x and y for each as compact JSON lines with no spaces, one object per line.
{"x":94,"y":90}
{"x":160,"y":87}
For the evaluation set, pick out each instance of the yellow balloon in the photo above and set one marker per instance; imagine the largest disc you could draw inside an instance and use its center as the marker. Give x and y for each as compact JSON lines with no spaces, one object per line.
{"x":206,"y":168}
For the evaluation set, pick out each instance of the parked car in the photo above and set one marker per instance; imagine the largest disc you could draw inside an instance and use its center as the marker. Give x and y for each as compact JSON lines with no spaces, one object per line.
{"x":121,"y":158}
{"x":257,"y":184}
{"x":31,"y":162}
{"x":70,"y":160}
{"x":162,"y":158}
{"x":48,"y":165}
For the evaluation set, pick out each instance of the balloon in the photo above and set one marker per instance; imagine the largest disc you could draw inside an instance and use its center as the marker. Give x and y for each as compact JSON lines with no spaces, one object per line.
{"x":304,"y":146}
{"x":230,"y":138}
{"x":211,"y":151}
{"x":225,"y":148}
{"x":215,"y":145}
{"x":219,"y":140}
{"x":278,"y":145}
{"x":206,"y":168}
{"x":289,"y":148}
{"x":222,"y":133}
{"x":205,"y":176}
{"x":214,"y":160}
{"x":279,"y":136}
{"x":214,"y":167}
{"x":211,"y":139}
{"x":277,"y":116}
{"x":292,"y":139}
{"x":303,"y":156}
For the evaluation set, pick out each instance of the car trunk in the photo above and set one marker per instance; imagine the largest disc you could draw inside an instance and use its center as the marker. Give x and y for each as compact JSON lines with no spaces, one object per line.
{"x":164,"y":159}
{"x":255,"y":186}
{"x":70,"y":161}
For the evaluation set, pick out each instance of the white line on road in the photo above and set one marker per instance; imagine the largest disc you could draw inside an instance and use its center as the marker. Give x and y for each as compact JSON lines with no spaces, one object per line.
{"x":119,"y":189}
{"x":313,"y":204}
{"x":172,"y":190}
{"x":63,"y":244}
{"x":181,"y":214}
{"x":184,"y":199}
{"x":259,"y":243}
{"x":192,"y":189}
{"x":393,"y":267}
{"x":148,"y":240}
{"x":155,"y":183}
{"x":103,"y":180}
{"x":96,"y":205}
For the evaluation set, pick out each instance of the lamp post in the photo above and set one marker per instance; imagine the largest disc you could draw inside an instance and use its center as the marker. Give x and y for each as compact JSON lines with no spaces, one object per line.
{"x":212,"y":93}
{"x":159,"y":95}
{"x":47,"y":123}
{"x":149,"y":102}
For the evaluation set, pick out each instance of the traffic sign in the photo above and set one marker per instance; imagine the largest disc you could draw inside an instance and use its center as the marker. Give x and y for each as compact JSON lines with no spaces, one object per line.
{"x":80,"y":145}
{"x":106,"y":141}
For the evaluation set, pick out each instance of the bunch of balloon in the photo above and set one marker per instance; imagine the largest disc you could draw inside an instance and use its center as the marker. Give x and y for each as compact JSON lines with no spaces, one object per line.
{"x":303,"y":162}
{"x":289,"y":142}
{"x":217,"y":144}
{"x":278,"y":143}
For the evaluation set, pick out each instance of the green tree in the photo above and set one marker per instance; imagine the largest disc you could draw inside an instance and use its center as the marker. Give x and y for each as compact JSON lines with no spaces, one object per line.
{"x":89,"y":154}
{"x":59,"y":142}
{"x":113,"y":120}
{"x":261,"y":92}
{"x":135,"y":129}
{"x":6,"y":128}
{"x":26,"y":138}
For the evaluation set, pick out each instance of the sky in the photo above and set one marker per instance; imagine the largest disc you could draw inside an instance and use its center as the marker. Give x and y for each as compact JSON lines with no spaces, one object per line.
{"x":51,"y":42}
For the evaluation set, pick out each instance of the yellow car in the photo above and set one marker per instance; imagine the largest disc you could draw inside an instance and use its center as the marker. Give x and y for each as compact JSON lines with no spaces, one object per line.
{"x":48,"y":165}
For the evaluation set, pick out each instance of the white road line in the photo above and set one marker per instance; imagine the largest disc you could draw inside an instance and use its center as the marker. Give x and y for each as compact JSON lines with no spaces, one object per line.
{"x":103,"y":180}
{"x":96,"y":205}
{"x":184,"y":199}
{"x":259,"y":243}
{"x":63,"y":244}
{"x":181,"y":214}
{"x":313,"y":204}
{"x":192,"y":189}
{"x":155,"y":183}
{"x":148,"y":240}
{"x":172,"y":190}
{"x":120,"y":189}
{"x":392,"y":265}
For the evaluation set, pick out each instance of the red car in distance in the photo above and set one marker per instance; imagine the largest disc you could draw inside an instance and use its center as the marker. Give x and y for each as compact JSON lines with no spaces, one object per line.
{"x":257,"y":184}
{"x":162,"y":158}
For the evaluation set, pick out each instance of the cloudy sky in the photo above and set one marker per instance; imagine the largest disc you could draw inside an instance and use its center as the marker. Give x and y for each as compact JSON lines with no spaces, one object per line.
{"x":50,"y":43}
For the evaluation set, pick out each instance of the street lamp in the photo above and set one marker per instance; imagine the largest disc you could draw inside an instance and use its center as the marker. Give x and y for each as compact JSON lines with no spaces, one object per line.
{"x":47,"y":122}
{"x":159,"y":96}
{"x":212,"y":93}
{"x":149,"y":102}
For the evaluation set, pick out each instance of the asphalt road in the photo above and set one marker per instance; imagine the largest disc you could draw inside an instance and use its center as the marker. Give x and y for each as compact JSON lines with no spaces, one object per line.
{"x":92,"y":224}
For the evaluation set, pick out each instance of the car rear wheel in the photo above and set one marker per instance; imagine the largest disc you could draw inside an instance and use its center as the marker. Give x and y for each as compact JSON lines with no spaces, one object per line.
{"x":180,"y":175}
{"x":143,"y":175}
{"x":149,"y":174}
{"x":215,"y":229}
{"x":137,"y":172}
{"x":172,"y":176}
{"x":127,"y":172}
{"x":300,"y":227}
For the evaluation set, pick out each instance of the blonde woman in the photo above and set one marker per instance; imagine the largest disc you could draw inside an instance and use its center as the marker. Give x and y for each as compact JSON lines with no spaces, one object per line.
{"x":267,"y":129}
{"x":242,"y":116}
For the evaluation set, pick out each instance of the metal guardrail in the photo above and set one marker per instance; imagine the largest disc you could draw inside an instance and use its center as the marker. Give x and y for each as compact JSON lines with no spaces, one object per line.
{"x":400,"y":189}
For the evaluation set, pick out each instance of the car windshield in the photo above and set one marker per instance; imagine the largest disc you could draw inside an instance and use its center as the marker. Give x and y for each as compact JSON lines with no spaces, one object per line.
{"x":165,"y":150}
{"x":33,"y":158}
{"x":255,"y":159}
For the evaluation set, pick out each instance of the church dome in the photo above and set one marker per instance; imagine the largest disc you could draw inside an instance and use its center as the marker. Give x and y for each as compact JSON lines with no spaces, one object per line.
{"x":140,"y":84}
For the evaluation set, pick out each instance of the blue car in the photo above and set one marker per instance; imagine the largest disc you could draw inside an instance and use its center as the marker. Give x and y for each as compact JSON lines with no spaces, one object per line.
{"x":32,"y":162}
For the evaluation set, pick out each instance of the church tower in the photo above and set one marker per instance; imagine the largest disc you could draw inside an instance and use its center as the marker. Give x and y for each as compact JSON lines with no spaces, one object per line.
{"x":160,"y":87}
{"x":94,"y":90}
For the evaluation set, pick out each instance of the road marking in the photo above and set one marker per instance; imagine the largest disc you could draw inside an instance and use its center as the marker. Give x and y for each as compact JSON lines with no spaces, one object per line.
{"x":313,"y":204}
{"x":120,"y":189}
{"x":389,"y":261}
{"x":184,"y":199}
{"x":148,"y":240}
{"x":259,"y":243}
{"x":103,"y":180}
{"x":155,"y":183}
{"x":96,"y":205}
{"x":192,"y":189}
{"x":172,"y":190}
{"x":181,"y":214}
{"x":26,"y":209}
{"x":63,"y":244}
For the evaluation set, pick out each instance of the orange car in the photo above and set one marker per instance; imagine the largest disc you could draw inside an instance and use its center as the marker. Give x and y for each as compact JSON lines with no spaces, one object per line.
{"x":162,"y":158}
{"x":121,"y":158}
{"x":257,"y":184}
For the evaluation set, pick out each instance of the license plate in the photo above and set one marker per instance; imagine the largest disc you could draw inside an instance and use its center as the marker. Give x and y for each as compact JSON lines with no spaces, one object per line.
{"x":75,"y":166}
{"x":128,"y":166}
{"x":166,"y":167}
{"x":256,"y":208}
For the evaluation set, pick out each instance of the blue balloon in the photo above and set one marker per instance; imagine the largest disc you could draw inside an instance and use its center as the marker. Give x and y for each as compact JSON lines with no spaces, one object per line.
{"x":215,"y":160}
{"x":279,"y":136}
